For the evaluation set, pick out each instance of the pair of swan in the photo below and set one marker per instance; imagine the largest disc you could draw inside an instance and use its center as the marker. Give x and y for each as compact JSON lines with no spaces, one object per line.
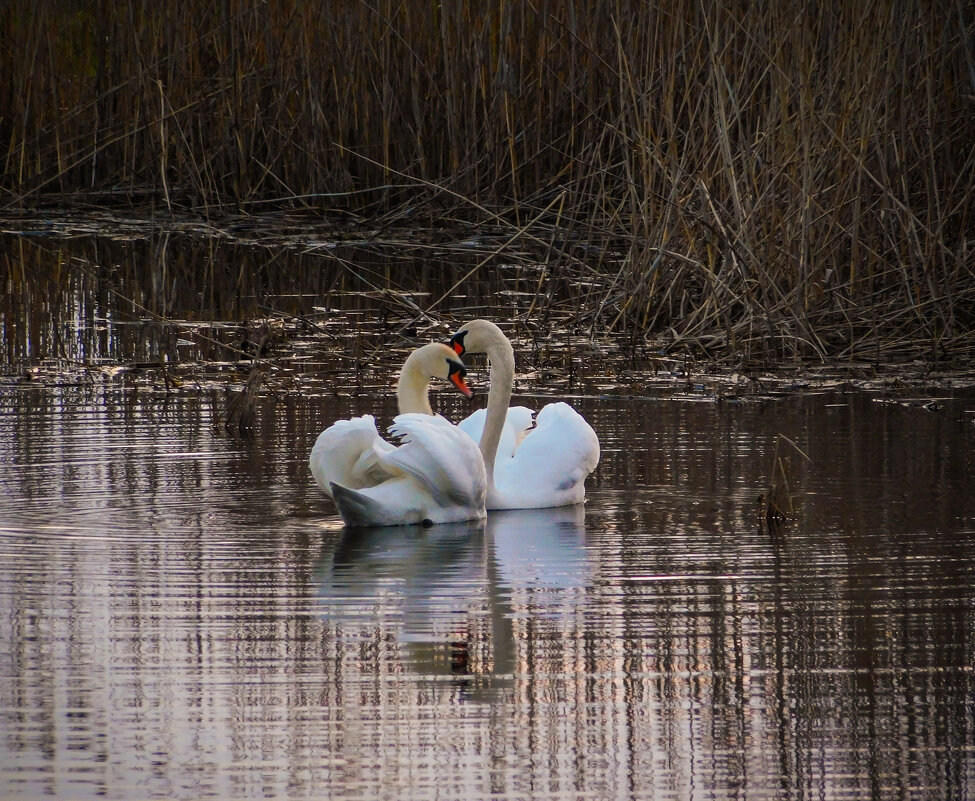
{"x":443,"y":473}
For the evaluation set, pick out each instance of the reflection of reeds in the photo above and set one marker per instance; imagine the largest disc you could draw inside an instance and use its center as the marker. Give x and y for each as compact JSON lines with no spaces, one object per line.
{"x":242,"y":405}
{"x":778,"y":501}
{"x":762,"y":179}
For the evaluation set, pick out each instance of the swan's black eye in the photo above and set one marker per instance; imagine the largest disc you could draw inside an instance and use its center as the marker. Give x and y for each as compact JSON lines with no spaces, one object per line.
{"x":455,"y":367}
{"x":457,"y":342}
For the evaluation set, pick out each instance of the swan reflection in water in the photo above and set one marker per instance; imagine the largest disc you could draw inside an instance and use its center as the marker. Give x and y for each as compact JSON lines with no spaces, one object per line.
{"x":407,"y":577}
{"x":541,"y":553}
{"x":455,"y":588}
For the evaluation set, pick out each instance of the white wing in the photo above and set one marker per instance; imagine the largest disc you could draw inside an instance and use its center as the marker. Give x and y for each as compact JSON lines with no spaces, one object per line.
{"x":550,"y":466}
{"x":517,"y":424}
{"x":347,"y":453}
{"x":440,"y":456}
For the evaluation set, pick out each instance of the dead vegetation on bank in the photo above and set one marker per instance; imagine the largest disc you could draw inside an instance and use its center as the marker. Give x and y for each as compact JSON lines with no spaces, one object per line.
{"x":775,"y":181}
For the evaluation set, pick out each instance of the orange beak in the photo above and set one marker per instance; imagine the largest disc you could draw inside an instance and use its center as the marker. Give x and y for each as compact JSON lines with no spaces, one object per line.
{"x":458,"y":348}
{"x":458,"y":381}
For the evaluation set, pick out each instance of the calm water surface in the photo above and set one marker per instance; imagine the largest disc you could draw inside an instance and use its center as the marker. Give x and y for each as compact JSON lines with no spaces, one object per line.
{"x":182,"y":614}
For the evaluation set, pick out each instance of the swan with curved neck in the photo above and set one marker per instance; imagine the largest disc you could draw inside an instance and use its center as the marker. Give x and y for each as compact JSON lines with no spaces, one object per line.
{"x":436,"y":474}
{"x":542,"y":467}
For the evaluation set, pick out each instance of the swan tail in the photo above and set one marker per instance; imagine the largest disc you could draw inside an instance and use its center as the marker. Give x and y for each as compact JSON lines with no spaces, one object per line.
{"x":398,"y":502}
{"x":358,"y":509}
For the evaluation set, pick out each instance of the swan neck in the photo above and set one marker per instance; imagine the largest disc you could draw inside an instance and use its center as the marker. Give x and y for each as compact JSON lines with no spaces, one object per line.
{"x":502,"y":360}
{"x":413,"y":389}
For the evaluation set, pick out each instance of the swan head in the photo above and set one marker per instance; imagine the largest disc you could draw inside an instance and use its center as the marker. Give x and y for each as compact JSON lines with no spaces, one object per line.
{"x":436,"y":360}
{"x":478,"y":336}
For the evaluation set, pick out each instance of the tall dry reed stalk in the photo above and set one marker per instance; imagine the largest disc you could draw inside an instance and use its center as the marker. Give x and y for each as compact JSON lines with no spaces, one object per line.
{"x":773,"y":180}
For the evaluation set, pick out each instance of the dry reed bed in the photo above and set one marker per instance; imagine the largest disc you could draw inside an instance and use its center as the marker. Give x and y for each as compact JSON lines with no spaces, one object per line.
{"x":770,"y":180}
{"x":176,"y":310}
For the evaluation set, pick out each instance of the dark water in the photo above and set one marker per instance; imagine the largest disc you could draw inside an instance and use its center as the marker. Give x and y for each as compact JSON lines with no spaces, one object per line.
{"x":182,"y":616}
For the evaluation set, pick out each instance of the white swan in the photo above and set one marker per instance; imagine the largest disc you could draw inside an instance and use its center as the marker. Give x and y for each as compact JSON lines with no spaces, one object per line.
{"x":526,"y":468}
{"x":436,"y":475}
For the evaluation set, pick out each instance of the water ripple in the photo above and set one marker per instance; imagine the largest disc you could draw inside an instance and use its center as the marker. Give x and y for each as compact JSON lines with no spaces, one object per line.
{"x":183,"y":615}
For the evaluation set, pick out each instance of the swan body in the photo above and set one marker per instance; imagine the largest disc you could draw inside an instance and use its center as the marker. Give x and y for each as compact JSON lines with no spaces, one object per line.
{"x":548,"y":464}
{"x":435,"y":475}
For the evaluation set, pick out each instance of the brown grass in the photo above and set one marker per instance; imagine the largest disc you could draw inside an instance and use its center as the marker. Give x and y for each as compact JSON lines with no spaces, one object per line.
{"x":770,"y":180}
